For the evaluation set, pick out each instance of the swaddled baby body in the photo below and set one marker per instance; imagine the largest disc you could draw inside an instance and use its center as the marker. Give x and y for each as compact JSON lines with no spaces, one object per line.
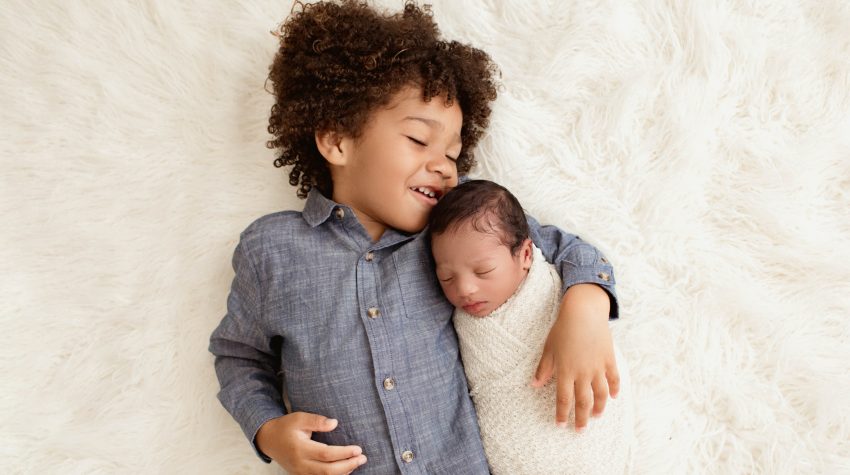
{"x":507,"y":297}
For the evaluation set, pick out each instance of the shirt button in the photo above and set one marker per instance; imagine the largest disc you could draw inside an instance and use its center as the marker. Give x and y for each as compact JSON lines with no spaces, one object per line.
{"x":374,"y":312}
{"x":369,"y":256}
{"x":340,"y":213}
{"x":407,"y":456}
{"x":389,"y":384}
{"x":604,"y":276}
{"x":604,"y":261}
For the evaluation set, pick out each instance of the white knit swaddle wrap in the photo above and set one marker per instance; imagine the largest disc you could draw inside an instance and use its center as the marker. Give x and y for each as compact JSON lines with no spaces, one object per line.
{"x":500,"y":354}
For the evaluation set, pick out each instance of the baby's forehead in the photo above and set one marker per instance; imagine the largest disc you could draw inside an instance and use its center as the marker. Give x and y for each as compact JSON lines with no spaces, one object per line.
{"x":476,"y":233}
{"x":484,"y":222}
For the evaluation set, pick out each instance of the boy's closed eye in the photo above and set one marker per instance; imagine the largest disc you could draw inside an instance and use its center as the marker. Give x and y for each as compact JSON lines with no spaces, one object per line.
{"x":417,"y":141}
{"x":422,"y":143}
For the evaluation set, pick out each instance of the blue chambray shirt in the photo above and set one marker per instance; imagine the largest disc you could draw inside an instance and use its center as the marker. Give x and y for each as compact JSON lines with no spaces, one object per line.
{"x":359,"y":331}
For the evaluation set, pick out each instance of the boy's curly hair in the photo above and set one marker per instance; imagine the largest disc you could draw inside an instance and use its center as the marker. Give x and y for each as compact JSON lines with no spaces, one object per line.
{"x":339,"y":61}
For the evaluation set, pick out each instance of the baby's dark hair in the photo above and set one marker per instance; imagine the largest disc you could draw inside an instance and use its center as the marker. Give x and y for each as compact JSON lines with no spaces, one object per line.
{"x":338,"y":61}
{"x":487,"y":206}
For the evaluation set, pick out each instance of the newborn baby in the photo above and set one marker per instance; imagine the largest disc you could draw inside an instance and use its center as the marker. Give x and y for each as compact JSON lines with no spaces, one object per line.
{"x":506,"y":298}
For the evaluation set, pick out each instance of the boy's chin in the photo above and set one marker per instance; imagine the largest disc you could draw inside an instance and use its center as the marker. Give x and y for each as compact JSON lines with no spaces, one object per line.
{"x":409,"y":226}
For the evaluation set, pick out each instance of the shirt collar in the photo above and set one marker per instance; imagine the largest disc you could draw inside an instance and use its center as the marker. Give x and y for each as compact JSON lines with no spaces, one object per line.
{"x":318,"y":209}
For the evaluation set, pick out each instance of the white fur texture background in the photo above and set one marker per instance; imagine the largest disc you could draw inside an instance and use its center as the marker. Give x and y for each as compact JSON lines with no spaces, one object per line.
{"x":704,"y":146}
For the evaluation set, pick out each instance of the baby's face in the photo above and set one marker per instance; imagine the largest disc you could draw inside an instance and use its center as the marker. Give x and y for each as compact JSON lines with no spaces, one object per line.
{"x":476,"y":271}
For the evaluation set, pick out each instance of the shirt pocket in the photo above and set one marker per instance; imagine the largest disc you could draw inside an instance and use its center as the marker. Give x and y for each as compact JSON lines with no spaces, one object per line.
{"x":421,"y":294}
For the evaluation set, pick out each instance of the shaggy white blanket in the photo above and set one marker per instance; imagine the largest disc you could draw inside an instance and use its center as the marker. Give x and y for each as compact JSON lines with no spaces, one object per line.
{"x":704,"y":146}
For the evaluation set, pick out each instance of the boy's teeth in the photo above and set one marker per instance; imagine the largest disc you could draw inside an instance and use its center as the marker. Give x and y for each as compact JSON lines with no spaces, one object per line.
{"x":425,"y":191}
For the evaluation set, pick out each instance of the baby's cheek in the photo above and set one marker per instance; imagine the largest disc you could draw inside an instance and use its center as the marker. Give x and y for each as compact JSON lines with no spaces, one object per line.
{"x":447,"y":292}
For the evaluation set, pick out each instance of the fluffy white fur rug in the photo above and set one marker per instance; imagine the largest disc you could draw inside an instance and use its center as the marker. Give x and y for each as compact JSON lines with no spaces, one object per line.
{"x":703,"y":145}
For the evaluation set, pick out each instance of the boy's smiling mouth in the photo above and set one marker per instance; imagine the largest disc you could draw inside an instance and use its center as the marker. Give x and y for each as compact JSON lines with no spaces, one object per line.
{"x":429,"y":194}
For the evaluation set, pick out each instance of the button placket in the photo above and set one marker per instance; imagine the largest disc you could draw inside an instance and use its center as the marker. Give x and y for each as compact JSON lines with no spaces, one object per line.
{"x":370,"y":296}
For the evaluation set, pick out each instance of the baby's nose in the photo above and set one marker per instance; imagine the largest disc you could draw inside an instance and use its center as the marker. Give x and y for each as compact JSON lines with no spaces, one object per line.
{"x":466,"y":288}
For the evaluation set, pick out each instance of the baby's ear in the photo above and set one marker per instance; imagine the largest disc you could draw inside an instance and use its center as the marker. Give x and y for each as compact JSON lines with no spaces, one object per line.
{"x":526,"y":252}
{"x":329,"y":144}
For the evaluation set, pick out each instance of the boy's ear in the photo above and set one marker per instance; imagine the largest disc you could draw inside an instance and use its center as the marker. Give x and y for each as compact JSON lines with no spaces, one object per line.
{"x":329,"y":144}
{"x":526,"y":252}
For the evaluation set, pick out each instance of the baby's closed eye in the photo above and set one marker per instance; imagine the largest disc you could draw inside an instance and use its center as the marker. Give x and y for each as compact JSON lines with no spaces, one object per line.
{"x":484,"y":272}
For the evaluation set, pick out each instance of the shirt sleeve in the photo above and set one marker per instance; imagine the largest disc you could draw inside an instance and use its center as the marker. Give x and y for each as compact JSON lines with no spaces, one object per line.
{"x":577,"y":261}
{"x":246,"y":361}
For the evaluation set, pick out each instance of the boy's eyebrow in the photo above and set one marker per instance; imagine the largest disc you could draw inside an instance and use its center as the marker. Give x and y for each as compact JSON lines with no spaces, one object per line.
{"x":433,"y":124}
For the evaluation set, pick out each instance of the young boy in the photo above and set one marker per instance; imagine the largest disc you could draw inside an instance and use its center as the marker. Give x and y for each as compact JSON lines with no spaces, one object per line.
{"x":337,"y":307}
{"x":506,"y":296}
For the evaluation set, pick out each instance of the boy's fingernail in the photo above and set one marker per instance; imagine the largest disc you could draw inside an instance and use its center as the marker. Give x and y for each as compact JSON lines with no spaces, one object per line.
{"x":357,"y":451}
{"x":562,"y":425}
{"x":362,"y":460}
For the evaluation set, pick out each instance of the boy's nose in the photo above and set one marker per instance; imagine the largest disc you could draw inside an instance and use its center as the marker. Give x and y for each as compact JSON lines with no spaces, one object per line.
{"x":442,"y":165}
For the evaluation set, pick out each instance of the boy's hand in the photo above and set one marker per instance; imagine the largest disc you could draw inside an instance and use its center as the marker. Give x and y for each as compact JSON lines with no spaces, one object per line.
{"x":287,"y":441}
{"x":579,"y":348}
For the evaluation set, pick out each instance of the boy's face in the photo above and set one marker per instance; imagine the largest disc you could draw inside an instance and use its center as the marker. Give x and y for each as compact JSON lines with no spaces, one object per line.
{"x":476,"y":271}
{"x":393,"y":174}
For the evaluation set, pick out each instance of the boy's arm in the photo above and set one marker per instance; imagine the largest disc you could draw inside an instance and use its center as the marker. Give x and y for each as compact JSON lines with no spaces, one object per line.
{"x":247,"y":362}
{"x":579,"y":350}
{"x":577,"y":261}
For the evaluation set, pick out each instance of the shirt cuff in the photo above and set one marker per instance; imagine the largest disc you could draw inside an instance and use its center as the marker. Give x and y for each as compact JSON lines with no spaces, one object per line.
{"x":584,"y":265}
{"x":258,"y":416}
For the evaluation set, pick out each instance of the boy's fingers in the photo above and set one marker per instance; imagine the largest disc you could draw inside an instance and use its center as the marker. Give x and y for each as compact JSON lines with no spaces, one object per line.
{"x":545,"y":370}
{"x":337,"y":468}
{"x":331,"y":453}
{"x":584,"y":403}
{"x":564,"y":402}
{"x":613,"y":376}
{"x":316,"y":422}
{"x":600,"y":395}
